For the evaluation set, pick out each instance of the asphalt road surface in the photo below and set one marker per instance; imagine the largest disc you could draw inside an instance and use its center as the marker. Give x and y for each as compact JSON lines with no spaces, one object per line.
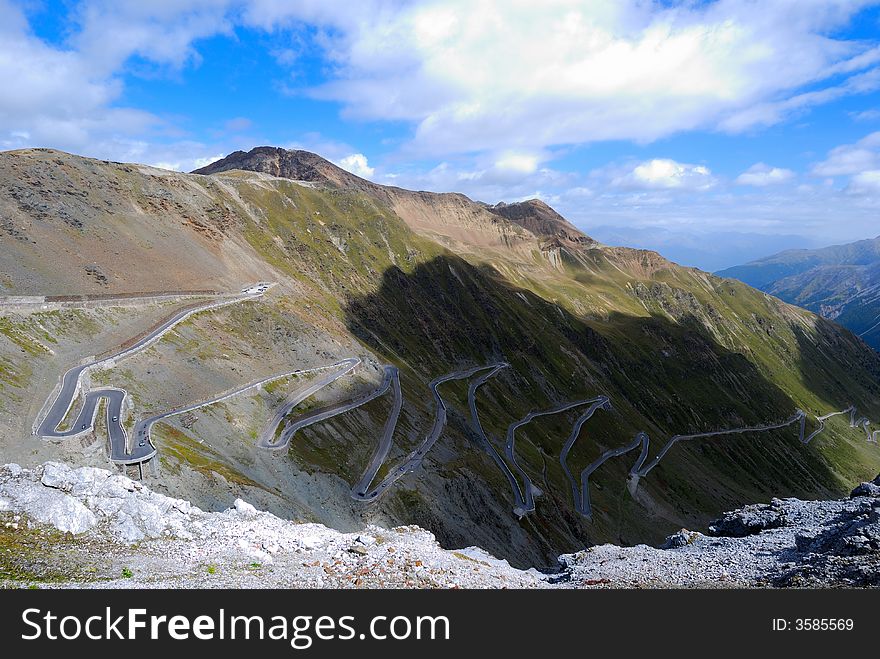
{"x":268,"y":440}
{"x":641,"y":468}
{"x":380,"y":455}
{"x":524,"y":499}
{"x":414,"y":459}
{"x":71,"y":383}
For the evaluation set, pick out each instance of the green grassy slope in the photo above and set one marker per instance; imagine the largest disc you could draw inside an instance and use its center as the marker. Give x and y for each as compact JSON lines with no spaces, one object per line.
{"x":678,"y":351}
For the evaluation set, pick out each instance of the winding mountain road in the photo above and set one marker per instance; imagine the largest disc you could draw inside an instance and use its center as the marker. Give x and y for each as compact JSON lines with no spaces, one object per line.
{"x":60,"y":402}
{"x":57,"y":408}
{"x":640,"y":468}
{"x":524,"y":499}
{"x":361,"y":489}
{"x":142,"y":428}
{"x":268,"y":441}
{"x":601,"y":402}
{"x":267,"y":437}
{"x":485,"y":443}
{"x":414,"y":459}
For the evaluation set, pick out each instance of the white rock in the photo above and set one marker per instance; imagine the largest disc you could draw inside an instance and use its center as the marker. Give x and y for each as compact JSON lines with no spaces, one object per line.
{"x":126,"y":529}
{"x":312,"y":542}
{"x":244,"y":508}
{"x":54,"y":507}
{"x":106,"y":506}
{"x":88,"y":480}
{"x":117,"y":486}
{"x":184,"y":507}
{"x":5,"y":504}
{"x":12,"y":470}
{"x":147,"y":516}
{"x":58,"y":476}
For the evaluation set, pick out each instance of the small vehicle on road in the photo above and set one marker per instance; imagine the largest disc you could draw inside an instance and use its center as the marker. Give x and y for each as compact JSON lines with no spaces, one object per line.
{"x":142,"y":443}
{"x":115,"y":419}
{"x":84,"y":426}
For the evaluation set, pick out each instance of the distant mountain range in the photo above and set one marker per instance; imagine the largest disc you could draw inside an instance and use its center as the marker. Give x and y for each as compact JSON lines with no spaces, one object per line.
{"x":841,"y":283}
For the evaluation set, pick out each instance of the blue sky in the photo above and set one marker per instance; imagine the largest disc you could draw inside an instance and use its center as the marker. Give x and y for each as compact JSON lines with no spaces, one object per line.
{"x":714,"y":132}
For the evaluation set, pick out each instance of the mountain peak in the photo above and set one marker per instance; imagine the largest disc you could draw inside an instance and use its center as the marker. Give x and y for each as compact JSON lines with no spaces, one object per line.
{"x":542,"y":220}
{"x":294,"y":164}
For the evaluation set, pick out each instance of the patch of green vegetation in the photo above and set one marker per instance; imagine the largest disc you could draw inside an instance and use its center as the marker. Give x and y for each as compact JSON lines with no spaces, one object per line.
{"x":127,"y":573}
{"x":34,"y":554}
{"x":18,"y":334}
{"x":304,"y":229}
{"x":14,"y":374}
{"x":276,"y":386}
{"x":201,"y":458}
{"x":211,"y":569}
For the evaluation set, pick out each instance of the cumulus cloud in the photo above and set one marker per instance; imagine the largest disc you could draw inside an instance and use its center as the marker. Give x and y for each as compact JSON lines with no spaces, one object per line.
{"x":198,"y":163}
{"x":57,"y":99}
{"x":865,"y":183}
{"x":851,"y":158}
{"x":761,"y":175}
{"x":357,"y":164}
{"x":480,"y":77}
{"x":469,"y":78}
{"x":666,"y":174}
{"x":491,"y":178}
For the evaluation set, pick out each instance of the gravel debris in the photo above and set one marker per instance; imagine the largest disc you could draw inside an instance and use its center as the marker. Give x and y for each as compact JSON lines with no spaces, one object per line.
{"x":96,"y":528}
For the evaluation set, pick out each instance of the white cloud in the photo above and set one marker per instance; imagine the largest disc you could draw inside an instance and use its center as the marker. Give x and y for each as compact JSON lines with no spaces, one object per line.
{"x":471,"y":78}
{"x":851,"y":158}
{"x":524,"y":163}
{"x":865,"y":183}
{"x":761,"y":175}
{"x":161,"y":31}
{"x":476,"y":77}
{"x":357,"y":164}
{"x":173,"y":166}
{"x":491,"y":178}
{"x":866,"y":115}
{"x":198,"y":163}
{"x":53,"y":96}
{"x":663,"y":173}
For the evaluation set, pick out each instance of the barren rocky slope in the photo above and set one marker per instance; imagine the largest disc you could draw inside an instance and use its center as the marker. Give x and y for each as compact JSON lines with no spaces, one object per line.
{"x":88,"y":527}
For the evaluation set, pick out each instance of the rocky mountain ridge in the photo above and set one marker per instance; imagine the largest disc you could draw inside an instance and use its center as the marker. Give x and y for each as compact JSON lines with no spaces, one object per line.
{"x":841,"y":283}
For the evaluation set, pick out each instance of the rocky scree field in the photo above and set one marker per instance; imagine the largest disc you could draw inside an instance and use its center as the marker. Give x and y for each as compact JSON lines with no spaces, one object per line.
{"x":86,"y":527}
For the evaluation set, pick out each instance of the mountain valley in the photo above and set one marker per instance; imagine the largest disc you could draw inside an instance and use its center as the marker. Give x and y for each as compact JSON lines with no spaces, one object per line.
{"x":429,"y":284}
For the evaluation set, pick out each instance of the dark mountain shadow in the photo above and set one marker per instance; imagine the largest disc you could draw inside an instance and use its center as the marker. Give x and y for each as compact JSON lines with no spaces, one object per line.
{"x":840,"y":368}
{"x":663,"y":377}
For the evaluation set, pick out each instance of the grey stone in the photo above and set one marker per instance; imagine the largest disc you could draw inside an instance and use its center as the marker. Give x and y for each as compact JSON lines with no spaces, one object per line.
{"x":681,"y":538}
{"x":866,"y":490}
{"x":748,"y":520}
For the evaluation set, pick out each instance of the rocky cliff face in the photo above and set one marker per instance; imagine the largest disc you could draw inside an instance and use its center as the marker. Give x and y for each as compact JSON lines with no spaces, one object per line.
{"x":88,"y":527}
{"x":288,"y":163}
